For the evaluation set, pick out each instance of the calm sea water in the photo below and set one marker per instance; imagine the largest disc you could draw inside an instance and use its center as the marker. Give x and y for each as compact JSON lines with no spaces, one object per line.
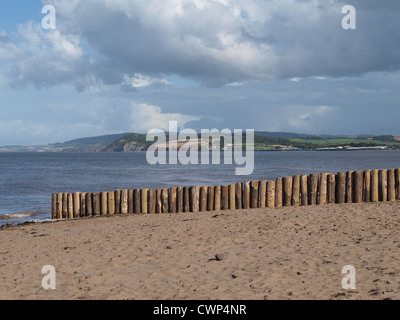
{"x":27,"y":180}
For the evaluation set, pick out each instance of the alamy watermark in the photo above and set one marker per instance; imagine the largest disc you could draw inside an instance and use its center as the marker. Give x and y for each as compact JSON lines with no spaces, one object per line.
{"x":186,"y":147}
{"x":49,"y":280}
{"x":349,"y":281}
{"x":49,"y":22}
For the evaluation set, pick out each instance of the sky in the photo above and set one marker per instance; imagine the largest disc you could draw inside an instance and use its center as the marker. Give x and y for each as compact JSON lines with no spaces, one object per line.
{"x":115,"y":66}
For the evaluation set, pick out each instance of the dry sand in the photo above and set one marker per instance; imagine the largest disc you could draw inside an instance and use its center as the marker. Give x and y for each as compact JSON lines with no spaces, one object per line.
{"x":286,"y":253}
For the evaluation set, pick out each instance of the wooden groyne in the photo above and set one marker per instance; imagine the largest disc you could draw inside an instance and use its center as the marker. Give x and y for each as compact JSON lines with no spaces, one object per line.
{"x":299,"y":190}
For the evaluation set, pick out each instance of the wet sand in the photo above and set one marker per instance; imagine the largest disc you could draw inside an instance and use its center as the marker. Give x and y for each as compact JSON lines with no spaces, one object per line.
{"x":284,"y":253}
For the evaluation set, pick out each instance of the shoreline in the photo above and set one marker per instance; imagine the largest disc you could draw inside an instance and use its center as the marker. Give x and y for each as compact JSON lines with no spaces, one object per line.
{"x":286,"y":253}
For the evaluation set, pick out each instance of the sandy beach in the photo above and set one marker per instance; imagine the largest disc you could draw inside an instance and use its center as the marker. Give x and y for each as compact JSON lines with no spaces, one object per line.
{"x":284,"y":253}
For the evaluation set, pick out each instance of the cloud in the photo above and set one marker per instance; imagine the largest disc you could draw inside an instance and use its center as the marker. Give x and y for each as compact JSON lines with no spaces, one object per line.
{"x":145,"y":117}
{"x":212,"y":42}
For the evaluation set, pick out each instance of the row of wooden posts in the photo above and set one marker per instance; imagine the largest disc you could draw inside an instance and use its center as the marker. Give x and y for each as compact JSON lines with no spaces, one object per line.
{"x":299,"y":190}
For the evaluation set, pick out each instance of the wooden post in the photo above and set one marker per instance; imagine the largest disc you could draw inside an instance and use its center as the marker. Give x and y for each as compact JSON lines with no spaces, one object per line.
{"x":367,"y":186}
{"x":131,"y":207}
{"x":217,"y":198}
{"x":397,"y":183}
{"x":59,"y":205}
{"x":232,"y":197}
{"x":374,"y":185}
{"x":194,"y":199}
{"x":304,"y":190}
{"x":124,"y":201}
{"x":172,"y":199}
{"x":152,"y":201}
{"x":239,"y":195}
{"x":383,"y":185}
{"x":341,"y":187}
{"x":225,"y":197}
{"x":65,"y":205}
{"x":137,"y":201}
{"x":203,"y":198}
{"x":357,"y":186}
{"x":186,"y":199}
{"x":296,"y":191}
{"x":96,"y":204}
{"x":246,"y":195}
{"x":323,"y":188}
{"x":117,"y":198}
{"x":331,"y":188}
{"x":104,"y":203}
{"x":111,"y":203}
{"x":279,"y":192}
{"x":144,"y":198}
{"x":349,"y":187}
{"x":70,"y":206}
{"x":271,"y":194}
{"x":159,"y":208}
{"x":179,"y":200}
{"x":165,"y":200}
{"x":210,"y":198}
{"x":89,"y":205}
{"x":287,"y":191}
{"x":313,"y":192}
{"x":263,"y":194}
{"x":83,"y":205}
{"x":391,"y":190}
{"x":54,"y":206}
{"x":254,"y":185}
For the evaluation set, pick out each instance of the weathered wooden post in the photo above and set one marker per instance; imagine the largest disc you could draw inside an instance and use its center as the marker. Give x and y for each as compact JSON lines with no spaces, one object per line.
{"x":397,"y":182}
{"x":313,"y":192}
{"x":271,"y":194}
{"x":70,"y":206}
{"x":152,"y":201}
{"x":59,"y":206}
{"x":357,"y":186}
{"x":172,"y":199}
{"x":296,"y":191}
{"x":383,"y":185}
{"x":104,"y":203}
{"x":210,"y":198}
{"x":194,"y":198}
{"x":287,"y":191}
{"x":254,"y":194}
{"x":83,"y":205}
{"x":263,"y":193}
{"x":165,"y":200}
{"x":65,"y":205}
{"x":323,"y":188}
{"x":232,"y":197}
{"x":246,"y":195}
{"x":159,"y":207}
{"x":391,"y":191}
{"x":111,"y":203}
{"x":96,"y":204}
{"x":54,"y":206}
{"x":186,"y":199}
{"x":124,"y":201}
{"x":374,"y":185}
{"x":367,"y":186}
{"x":131,"y":201}
{"x":217,"y":198}
{"x":239,"y":195}
{"x":349,"y":187}
{"x":331,"y":193}
{"x":278,"y":192}
{"x":117,"y":198}
{"x":225,"y":197}
{"x":137,"y":201}
{"x":145,"y":200}
{"x":341,"y":187}
{"x":89,"y":205}
{"x":179,"y":200}
{"x":203,"y":198}
{"x":304,"y":189}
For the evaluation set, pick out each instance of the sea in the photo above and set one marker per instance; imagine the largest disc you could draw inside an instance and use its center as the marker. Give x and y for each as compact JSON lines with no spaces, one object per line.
{"x":27,"y":180}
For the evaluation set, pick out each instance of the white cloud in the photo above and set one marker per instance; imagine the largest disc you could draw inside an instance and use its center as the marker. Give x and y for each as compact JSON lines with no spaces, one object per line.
{"x":145,"y":117}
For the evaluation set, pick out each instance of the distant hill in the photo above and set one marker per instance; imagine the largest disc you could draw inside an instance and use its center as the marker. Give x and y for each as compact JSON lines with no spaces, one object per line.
{"x":91,"y":140}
